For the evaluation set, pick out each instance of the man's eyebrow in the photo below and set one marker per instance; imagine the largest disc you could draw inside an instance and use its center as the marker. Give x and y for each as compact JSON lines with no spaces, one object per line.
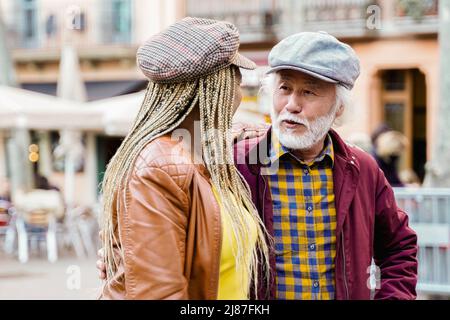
{"x":311,"y":82}
{"x":285,"y":77}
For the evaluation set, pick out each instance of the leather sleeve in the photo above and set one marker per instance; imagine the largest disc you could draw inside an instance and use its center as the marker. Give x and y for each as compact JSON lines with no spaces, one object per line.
{"x":153,"y":231}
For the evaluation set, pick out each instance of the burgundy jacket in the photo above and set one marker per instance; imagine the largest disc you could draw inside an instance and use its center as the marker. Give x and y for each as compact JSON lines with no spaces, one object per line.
{"x":369,"y":223}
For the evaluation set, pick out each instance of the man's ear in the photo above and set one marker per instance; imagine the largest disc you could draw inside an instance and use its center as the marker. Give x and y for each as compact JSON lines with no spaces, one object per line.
{"x":340,"y":111}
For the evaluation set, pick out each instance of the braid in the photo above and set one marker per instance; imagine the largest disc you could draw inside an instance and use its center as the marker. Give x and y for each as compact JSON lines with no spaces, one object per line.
{"x":216,"y":112}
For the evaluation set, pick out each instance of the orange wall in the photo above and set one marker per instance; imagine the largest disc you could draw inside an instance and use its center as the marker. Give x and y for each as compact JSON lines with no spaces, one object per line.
{"x":422,"y":54}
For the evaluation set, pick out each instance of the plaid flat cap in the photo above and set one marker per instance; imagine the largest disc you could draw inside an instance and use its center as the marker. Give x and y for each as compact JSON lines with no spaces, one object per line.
{"x":189,"y":49}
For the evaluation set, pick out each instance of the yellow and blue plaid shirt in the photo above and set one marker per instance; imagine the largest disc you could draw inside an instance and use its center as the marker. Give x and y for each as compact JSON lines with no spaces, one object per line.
{"x":304,"y":216}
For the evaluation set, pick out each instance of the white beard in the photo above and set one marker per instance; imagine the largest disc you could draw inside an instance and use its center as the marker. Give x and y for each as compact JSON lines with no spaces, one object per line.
{"x":315,"y":130}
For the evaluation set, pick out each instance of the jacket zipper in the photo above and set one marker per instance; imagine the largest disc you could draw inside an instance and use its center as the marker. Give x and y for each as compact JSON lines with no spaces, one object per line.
{"x":345,"y":273}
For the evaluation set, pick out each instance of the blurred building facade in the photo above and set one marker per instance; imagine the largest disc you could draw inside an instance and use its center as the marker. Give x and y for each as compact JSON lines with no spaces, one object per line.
{"x":395,"y":40}
{"x":105,"y":35}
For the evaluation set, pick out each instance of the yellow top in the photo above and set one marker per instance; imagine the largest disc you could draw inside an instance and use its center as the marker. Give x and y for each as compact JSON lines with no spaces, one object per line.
{"x":232,"y":281}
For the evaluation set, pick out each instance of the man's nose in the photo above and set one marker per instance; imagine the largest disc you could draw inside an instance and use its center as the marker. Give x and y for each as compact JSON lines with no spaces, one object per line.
{"x":294,"y":105}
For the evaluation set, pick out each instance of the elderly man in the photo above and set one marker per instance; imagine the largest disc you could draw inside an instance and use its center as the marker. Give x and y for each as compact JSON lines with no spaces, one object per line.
{"x":326,"y":204}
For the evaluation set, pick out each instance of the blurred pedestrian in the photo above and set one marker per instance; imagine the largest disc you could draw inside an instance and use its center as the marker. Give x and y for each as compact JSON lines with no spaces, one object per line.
{"x":388,"y":146}
{"x":5,"y":201}
{"x":5,"y":189}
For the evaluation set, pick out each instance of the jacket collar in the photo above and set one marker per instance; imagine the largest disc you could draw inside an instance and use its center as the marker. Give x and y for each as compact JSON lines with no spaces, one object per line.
{"x":277,"y":150}
{"x":259,"y":155}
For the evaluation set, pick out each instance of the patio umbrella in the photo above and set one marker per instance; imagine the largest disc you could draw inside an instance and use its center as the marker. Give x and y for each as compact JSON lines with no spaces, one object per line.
{"x":37,"y":111}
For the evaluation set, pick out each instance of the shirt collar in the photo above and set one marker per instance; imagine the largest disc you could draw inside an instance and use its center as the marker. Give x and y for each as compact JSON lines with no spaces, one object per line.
{"x":277,"y":150}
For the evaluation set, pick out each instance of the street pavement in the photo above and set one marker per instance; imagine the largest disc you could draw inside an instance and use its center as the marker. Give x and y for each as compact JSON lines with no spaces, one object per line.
{"x":67,"y":279}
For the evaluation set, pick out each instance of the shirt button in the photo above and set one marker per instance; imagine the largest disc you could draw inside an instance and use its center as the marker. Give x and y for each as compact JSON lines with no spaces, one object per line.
{"x":312,"y":246}
{"x":309,"y":208}
{"x":306,"y":171}
{"x":315,"y":284}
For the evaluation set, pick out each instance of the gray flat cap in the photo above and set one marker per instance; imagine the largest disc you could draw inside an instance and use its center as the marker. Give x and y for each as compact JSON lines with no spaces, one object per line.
{"x":318,"y":54}
{"x":189,"y":49}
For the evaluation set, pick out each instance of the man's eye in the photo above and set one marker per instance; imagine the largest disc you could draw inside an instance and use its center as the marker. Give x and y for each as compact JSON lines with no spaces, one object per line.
{"x":284,"y":88}
{"x":308,"y":93}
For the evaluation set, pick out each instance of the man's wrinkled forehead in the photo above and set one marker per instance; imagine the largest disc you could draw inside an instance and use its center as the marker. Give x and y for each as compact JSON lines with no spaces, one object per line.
{"x":306,"y":79}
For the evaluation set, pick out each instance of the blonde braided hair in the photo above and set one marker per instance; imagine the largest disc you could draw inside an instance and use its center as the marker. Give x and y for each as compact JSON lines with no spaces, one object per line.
{"x":164,"y":107}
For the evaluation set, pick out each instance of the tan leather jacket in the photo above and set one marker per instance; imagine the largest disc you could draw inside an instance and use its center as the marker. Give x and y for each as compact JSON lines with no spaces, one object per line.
{"x":170,"y":229}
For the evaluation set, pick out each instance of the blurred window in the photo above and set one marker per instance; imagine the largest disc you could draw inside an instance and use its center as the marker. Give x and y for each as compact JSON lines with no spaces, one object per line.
{"x":82,"y":18}
{"x":394,"y":115}
{"x":29,"y":23}
{"x":50,"y":26}
{"x":394,"y":80}
{"x":79,"y":21}
{"x":118,"y":21}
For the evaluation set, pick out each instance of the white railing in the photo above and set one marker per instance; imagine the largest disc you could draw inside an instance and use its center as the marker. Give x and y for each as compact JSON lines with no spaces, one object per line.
{"x":429,"y":216}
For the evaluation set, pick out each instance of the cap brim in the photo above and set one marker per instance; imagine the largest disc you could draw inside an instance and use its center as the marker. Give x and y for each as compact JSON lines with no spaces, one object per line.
{"x":243,"y":62}
{"x":313,"y":74}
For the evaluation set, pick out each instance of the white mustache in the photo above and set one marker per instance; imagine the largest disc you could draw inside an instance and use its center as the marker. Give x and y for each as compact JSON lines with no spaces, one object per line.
{"x":290,"y":117}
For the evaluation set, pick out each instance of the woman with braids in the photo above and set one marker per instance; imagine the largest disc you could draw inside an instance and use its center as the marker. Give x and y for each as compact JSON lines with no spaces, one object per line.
{"x":175,"y":228}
